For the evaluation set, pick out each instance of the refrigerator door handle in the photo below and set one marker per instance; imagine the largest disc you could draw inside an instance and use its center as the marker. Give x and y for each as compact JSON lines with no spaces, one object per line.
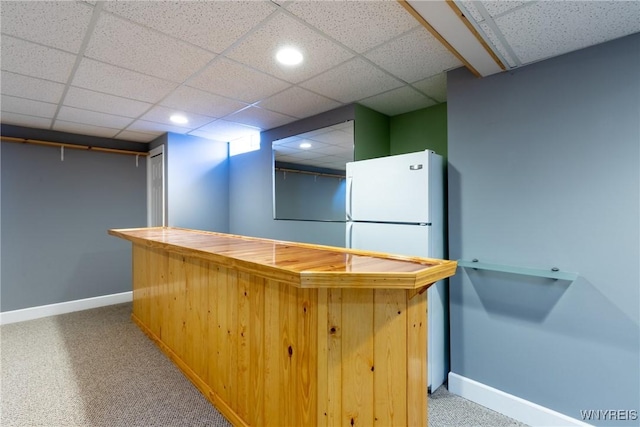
{"x":349,"y":234}
{"x":348,"y":192}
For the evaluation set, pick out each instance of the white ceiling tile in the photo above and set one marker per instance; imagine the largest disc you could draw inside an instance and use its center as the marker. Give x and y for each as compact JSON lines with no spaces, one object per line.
{"x":193,"y":100}
{"x":398,"y":101}
{"x":260,"y":118}
{"x":287,"y":144}
{"x":359,"y":25}
{"x":259,"y":49}
{"x":154,"y":128}
{"x":353,"y":80}
{"x":334,"y":150}
{"x":545,"y":29}
{"x":163,"y":114}
{"x":128,"y":45}
{"x":33,"y":60}
{"x":212,"y":25}
{"x":497,"y":7}
{"x":285,"y":158}
{"x":24,"y":120}
{"x":435,"y":87}
{"x":334,"y":162}
{"x":223,"y":130}
{"x":290,"y":141}
{"x":346,"y":126}
{"x":414,"y":56}
{"x":346,"y":153}
{"x":117,"y":81}
{"x":30,"y":87}
{"x":135,"y":136}
{"x":334,"y":137}
{"x":16,"y":105}
{"x":306,"y":155}
{"x":283,"y":151}
{"x":84,"y":129}
{"x":299,"y":102}
{"x":104,"y":103}
{"x":59,"y":24}
{"x":327,"y":150}
{"x":206,"y":135}
{"x":233,"y":80}
{"x":76,"y":115}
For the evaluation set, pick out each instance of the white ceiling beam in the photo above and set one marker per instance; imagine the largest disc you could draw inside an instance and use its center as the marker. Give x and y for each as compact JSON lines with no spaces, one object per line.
{"x":449,"y":25}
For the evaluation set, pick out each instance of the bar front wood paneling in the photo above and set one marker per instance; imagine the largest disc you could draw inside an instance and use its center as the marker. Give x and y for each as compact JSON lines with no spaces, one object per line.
{"x":272,"y":339}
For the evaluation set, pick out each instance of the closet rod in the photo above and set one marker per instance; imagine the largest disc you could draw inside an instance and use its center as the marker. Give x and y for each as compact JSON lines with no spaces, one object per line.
{"x":73,"y":146}
{"x":332,"y":175}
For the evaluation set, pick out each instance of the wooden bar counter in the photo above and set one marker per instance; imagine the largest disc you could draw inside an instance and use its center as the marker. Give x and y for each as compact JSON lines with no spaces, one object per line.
{"x":279,"y":334}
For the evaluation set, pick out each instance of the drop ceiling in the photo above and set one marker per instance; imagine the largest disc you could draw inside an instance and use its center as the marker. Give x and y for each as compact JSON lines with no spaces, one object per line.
{"x":120,"y":69}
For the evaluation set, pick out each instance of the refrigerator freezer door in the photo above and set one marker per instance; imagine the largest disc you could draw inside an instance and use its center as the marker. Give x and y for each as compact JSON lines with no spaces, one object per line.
{"x":394,"y":188}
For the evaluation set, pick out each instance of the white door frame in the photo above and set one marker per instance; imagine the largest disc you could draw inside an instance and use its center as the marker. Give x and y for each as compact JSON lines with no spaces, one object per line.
{"x":152,"y":153}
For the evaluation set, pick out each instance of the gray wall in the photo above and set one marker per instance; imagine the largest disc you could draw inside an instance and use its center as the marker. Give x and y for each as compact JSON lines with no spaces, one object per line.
{"x":544,"y":172}
{"x":197,"y":180}
{"x":54,"y":220}
{"x":251,"y":195}
{"x":309,"y":196}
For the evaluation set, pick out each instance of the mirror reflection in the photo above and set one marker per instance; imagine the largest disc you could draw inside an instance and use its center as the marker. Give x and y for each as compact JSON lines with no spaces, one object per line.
{"x":309,"y":174}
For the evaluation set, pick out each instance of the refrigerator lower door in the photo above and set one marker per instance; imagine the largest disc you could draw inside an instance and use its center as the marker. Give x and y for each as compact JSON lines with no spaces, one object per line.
{"x":412,"y":240}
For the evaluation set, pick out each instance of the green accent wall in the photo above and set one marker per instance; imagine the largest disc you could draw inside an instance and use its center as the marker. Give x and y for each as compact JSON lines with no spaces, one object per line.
{"x":424,"y":129}
{"x":371,"y":133}
{"x":419,"y":130}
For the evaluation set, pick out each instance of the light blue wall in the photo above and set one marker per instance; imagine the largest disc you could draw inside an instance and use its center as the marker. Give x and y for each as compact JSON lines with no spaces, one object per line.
{"x":251,"y":195}
{"x":55,"y":216}
{"x":544,"y":172}
{"x":197,"y":177}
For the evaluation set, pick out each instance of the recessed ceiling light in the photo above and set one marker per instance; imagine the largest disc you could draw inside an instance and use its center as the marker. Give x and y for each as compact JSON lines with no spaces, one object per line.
{"x":179,"y":119}
{"x":289,"y":56}
{"x":305,"y":145}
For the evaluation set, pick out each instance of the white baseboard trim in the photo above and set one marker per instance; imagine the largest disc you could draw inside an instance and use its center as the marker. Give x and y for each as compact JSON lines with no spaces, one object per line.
{"x":32,"y":313}
{"x":512,"y":406}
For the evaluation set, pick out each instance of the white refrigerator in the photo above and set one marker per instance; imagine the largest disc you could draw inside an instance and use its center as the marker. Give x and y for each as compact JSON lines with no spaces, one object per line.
{"x":395,"y":204}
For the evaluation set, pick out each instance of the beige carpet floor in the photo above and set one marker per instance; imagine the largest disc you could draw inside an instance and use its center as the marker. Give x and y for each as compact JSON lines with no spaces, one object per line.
{"x":96,"y":368}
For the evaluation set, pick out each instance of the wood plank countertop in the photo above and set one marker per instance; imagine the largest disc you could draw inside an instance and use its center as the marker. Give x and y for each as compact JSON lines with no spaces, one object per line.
{"x":299,"y":264}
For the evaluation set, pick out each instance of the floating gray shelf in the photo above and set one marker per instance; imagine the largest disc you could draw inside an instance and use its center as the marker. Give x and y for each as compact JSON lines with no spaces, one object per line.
{"x":553,"y":273}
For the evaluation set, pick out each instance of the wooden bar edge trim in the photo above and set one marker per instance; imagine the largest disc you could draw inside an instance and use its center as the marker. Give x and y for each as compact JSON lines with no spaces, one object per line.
{"x":475,"y":33}
{"x":208,"y":393}
{"x":437,"y":35}
{"x":434,"y":274}
{"x":72,"y":146}
{"x":420,"y":280}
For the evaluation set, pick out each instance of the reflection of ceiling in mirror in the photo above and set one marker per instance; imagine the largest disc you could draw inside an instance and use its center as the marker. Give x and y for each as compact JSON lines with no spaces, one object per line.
{"x":331,"y":147}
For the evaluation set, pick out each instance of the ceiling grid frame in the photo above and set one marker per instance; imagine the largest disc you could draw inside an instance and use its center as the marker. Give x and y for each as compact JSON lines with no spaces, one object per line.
{"x":265,"y":112}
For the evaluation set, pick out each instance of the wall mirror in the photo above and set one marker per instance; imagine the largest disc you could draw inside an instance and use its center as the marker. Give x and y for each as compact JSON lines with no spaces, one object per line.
{"x":309,"y":174}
